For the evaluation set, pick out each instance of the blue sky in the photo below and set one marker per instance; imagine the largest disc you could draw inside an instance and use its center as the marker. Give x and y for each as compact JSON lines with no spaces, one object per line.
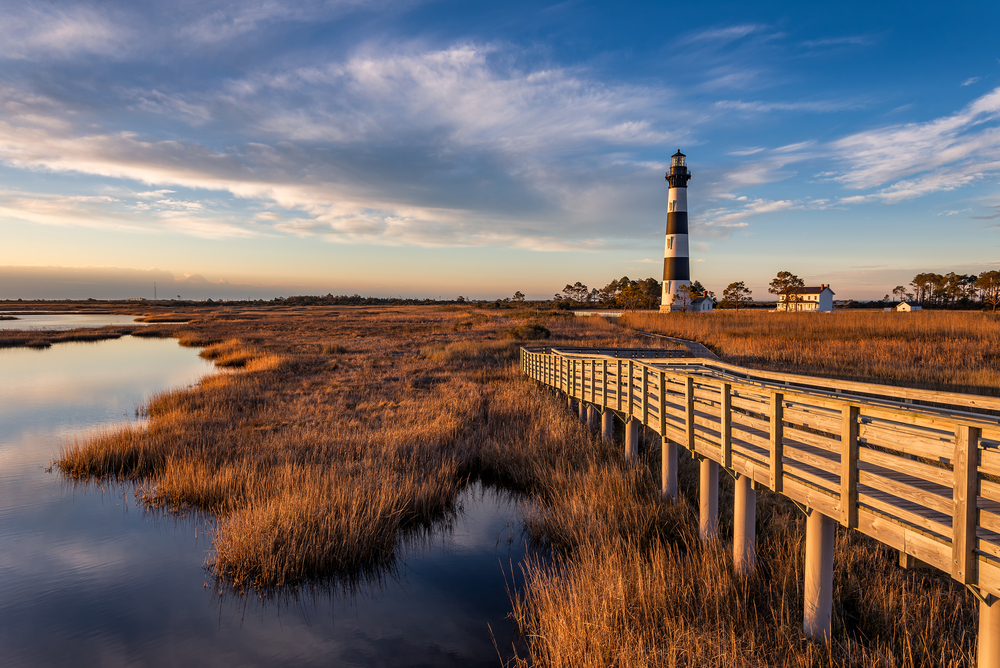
{"x":433,"y":149}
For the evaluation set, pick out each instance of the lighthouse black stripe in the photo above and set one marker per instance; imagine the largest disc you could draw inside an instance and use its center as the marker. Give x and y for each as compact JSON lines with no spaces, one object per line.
{"x":677,"y":222}
{"x":676,"y":269}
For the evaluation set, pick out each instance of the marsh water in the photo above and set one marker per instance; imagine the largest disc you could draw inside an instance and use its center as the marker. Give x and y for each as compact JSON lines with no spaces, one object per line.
{"x":87,"y":577}
{"x":62,"y":321}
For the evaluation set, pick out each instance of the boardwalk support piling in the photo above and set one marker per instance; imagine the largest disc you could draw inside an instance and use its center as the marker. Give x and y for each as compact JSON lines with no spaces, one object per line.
{"x":632,"y":440}
{"x":708,"y":491}
{"x":744,"y":526}
{"x":989,"y":633}
{"x":607,"y":426}
{"x":669,"y":469}
{"x":818,"y":604}
{"x":593,"y":417}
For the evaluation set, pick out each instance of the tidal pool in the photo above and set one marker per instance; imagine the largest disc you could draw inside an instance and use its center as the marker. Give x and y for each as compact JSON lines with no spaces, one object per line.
{"x":87,"y":577}
{"x":63,"y":321}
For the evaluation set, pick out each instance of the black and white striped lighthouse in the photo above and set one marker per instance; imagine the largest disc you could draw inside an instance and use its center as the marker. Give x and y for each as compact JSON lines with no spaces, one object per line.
{"x":676,"y":263}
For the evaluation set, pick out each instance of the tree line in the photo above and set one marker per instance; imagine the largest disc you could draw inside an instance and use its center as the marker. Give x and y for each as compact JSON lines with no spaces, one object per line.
{"x":952,"y":289}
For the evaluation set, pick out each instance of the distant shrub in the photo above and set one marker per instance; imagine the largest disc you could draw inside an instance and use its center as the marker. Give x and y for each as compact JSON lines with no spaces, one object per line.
{"x":332,"y":349}
{"x":530,"y":332}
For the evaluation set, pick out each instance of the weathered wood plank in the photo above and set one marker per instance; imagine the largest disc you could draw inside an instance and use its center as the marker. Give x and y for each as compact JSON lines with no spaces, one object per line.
{"x":964,"y":515}
{"x":777,"y":440}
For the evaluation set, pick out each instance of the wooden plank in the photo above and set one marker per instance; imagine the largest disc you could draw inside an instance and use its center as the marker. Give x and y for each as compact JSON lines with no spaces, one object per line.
{"x":776,"y":440}
{"x":904,"y":515}
{"x":911,"y":442}
{"x":803,"y":454}
{"x":829,"y":444}
{"x":928,"y":549}
{"x":758,"y":407}
{"x":887,"y":481}
{"x":964,"y":516}
{"x":989,"y":575}
{"x":989,"y":520}
{"x":810,"y":496}
{"x":989,"y":490}
{"x":849,"y":466}
{"x":813,"y":418}
{"x":933,"y":474}
{"x":726,"y":425}
{"x":803,"y":473}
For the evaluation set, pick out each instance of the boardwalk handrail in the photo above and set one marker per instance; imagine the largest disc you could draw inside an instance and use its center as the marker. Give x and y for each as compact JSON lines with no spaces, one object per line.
{"x":917,"y":470}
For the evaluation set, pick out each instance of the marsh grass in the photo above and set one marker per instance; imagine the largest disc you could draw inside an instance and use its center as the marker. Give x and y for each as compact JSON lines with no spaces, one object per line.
{"x":940,"y":350}
{"x":321,"y":469}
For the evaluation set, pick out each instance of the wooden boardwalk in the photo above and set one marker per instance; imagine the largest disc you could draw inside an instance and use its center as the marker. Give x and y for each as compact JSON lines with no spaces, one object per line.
{"x":917,"y":470}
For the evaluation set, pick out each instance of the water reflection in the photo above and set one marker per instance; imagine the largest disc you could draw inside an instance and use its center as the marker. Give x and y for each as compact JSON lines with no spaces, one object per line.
{"x":63,"y":321}
{"x":87,"y":576}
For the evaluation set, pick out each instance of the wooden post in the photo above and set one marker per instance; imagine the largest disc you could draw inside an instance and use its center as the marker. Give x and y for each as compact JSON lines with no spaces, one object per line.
{"x":988,"y":645}
{"x":726,"y":424}
{"x":571,"y":402}
{"x":818,"y":603}
{"x":744,"y":525}
{"x":608,"y":426}
{"x":632,"y":440}
{"x":631,"y":387}
{"x":583,"y":411}
{"x":965,"y":514}
{"x":849,"y":466}
{"x":604,"y":384}
{"x":668,"y":469}
{"x":689,"y":411}
{"x":663,"y":404}
{"x":777,"y":434}
{"x":618,"y":381}
{"x":708,"y":493}
{"x":645,"y":393}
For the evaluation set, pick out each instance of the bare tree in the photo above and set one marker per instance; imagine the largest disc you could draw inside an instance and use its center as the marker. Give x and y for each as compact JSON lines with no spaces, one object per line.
{"x":737,"y":293}
{"x":899,"y":292}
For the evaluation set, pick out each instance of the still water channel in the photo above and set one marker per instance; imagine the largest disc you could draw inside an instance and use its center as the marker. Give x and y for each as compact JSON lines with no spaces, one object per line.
{"x":89,"y":578}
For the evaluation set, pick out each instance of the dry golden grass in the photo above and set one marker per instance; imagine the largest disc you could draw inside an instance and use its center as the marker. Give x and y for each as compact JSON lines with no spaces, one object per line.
{"x":317,"y":463}
{"x":941,"y":350}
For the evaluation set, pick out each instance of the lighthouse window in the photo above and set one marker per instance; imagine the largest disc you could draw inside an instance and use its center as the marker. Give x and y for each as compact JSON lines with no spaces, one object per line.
{"x":673,"y":206}
{"x":670,"y":243}
{"x":668,"y":287}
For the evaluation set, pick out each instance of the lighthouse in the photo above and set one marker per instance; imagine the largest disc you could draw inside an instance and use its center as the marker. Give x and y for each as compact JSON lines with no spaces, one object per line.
{"x":676,"y":263}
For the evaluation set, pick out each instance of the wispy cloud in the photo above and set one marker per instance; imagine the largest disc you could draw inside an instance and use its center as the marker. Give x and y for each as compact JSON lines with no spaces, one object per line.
{"x":851,"y":40}
{"x":971,"y":80}
{"x":723,"y":34}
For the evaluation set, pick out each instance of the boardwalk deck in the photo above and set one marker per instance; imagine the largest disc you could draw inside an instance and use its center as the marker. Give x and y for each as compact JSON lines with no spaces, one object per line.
{"x":915,"y":469}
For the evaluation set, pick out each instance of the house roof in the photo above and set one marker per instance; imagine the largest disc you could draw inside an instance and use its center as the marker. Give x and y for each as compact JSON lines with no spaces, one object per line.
{"x":908,"y":303}
{"x":813,"y":291}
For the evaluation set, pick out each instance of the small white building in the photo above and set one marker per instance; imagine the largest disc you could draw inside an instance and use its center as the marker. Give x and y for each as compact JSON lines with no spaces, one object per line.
{"x":908,"y":306}
{"x":702,"y":305}
{"x":808,"y":299}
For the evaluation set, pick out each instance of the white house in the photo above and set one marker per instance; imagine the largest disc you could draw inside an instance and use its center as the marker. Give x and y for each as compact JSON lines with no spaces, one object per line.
{"x":908,"y":306}
{"x":807,"y":299}
{"x":702,"y":305}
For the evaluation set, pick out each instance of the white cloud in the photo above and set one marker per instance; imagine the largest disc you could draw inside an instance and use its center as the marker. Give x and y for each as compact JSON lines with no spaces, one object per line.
{"x":971,"y":80}
{"x":39,"y":31}
{"x":965,"y":143}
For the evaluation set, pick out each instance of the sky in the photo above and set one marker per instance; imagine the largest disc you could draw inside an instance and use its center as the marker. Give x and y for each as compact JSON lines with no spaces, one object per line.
{"x":430,"y":149}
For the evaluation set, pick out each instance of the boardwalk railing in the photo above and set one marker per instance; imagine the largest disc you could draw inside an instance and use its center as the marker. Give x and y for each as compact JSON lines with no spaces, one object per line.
{"x":917,"y":470}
